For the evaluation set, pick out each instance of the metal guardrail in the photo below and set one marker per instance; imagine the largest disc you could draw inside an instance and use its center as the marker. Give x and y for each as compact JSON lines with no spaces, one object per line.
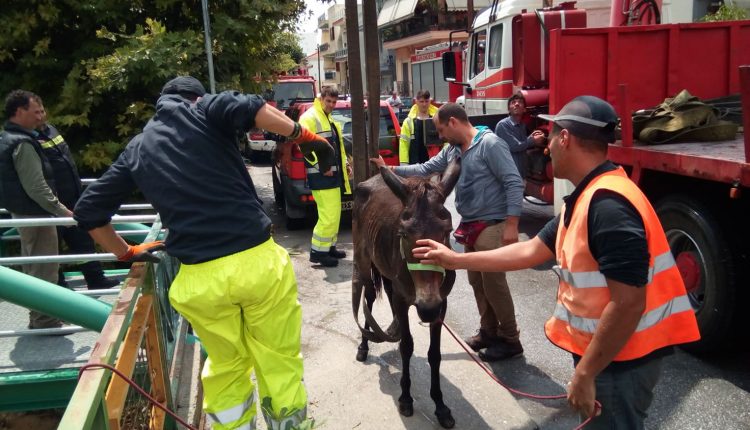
{"x":131,"y":207}
{"x":142,"y":338}
{"x":38,"y":222}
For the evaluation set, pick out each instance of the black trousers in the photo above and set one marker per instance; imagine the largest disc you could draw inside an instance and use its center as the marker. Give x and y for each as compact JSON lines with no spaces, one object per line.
{"x":80,"y":242}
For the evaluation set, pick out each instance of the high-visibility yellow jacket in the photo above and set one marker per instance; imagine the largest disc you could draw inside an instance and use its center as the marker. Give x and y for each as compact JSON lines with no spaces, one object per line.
{"x":405,"y":147}
{"x":316,"y":120}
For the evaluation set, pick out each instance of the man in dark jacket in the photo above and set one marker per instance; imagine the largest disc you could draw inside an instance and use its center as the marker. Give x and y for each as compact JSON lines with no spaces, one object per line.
{"x":27,"y":189}
{"x":235,"y":285}
{"x":69,"y":189}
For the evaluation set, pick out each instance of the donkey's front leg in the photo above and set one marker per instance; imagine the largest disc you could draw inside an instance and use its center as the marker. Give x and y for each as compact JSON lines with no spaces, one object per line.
{"x":406,"y":348}
{"x":442,"y":411}
{"x":363,"y":349}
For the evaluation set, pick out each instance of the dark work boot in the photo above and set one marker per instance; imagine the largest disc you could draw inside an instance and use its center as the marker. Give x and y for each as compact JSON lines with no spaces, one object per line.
{"x":323,"y":259}
{"x":335,"y":253}
{"x":501,"y":351}
{"x":481,"y":340}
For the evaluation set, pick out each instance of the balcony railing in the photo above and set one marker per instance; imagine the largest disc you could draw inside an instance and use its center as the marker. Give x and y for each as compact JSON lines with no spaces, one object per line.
{"x":337,"y":15}
{"x":322,"y":22}
{"x":341,"y":54}
{"x":422,"y":24}
{"x":330,"y":75}
{"x":324,"y":47}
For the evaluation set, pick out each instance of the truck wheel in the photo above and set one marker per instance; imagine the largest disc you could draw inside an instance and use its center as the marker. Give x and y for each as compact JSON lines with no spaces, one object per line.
{"x":704,"y":259}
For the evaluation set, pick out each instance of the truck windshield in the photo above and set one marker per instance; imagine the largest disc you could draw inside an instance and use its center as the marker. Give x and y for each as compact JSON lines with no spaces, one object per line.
{"x":387,"y":129}
{"x":284,"y":92}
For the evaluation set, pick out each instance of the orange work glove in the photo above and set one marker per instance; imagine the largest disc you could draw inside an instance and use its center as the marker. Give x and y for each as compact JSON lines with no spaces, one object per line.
{"x":310,"y":142}
{"x":143,"y":252}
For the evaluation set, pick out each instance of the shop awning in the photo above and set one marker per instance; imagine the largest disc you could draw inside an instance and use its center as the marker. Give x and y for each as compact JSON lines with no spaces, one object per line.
{"x":394,"y":11}
{"x":459,"y":5}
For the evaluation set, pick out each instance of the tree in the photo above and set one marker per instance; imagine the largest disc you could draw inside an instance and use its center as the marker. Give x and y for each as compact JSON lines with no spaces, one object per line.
{"x":99,"y":64}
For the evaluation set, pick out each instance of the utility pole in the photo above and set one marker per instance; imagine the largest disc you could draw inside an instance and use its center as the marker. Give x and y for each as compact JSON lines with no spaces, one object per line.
{"x":320,"y":75}
{"x":209,"y":53}
{"x":359,"y":136}
{"x":470,"y":13}
{"x":372,"y":65}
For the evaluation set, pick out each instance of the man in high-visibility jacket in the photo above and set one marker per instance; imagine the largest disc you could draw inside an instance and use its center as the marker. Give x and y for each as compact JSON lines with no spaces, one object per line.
{"x":236,"y":286}
{"x":621,"y":304}
{"x":410,"y":151}
{"x":326,"y":186}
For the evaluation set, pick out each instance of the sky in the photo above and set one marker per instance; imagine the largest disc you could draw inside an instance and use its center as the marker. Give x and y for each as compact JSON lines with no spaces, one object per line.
{"x":309,"y":25}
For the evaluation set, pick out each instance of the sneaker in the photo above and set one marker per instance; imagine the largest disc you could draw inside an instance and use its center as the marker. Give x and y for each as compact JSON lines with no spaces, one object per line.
{"x":104,"y":284}
{"x":501,"y":351}
{"x":323,"y":259}
{"x":481,"y":340}
{"x":335,"y":253}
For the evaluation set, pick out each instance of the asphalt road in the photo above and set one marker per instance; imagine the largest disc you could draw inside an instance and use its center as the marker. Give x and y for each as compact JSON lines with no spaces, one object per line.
{"x":693,"y":392}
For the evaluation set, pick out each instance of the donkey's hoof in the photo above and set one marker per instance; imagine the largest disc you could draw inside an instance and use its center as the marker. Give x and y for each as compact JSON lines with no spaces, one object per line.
{"x":445,"y":418}
{"x":362,"y":355}
{"x":406,"y":409}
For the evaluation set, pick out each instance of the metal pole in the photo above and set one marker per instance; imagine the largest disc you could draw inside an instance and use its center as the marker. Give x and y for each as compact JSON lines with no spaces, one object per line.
{"x":372,"y":62}
{"x":359,"y":136}
{"x":209,"y":53}
{"x":320,"y":74}
{"x":469,"y":13}
{"x":40,"y":222}
{"x":53,"y":300}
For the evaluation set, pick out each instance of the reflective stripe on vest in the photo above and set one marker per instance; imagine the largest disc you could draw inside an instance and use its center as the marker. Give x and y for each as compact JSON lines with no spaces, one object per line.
{"x":596,"y":279}
{"x":54,"y":142}
{"x":668,"y":318}
{"x":309,"y":170}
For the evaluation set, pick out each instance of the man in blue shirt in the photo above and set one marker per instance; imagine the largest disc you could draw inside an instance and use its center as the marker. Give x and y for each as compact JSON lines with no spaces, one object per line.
{"x":514,"y":133}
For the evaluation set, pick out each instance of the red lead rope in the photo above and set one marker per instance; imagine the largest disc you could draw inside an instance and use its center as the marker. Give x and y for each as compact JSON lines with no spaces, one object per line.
{"x":597,"y":406}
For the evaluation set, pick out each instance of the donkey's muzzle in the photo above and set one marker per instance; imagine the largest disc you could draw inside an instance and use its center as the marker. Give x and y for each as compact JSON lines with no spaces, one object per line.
{"x":428,"y":310}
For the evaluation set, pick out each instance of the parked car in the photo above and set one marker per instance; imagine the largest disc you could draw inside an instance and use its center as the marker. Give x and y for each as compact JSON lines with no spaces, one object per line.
{"x":290,"y":189}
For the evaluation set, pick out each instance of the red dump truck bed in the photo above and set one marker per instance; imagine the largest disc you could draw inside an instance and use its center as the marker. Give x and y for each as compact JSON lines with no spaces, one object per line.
{"x":638,"y":67}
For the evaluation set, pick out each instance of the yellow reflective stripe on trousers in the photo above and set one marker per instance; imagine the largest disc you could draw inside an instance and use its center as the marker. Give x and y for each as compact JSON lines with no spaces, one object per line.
{"x":596,"y":279}
{"x":319,"y":243}
{"x":648,"y":320}
{"x":228,"y":416}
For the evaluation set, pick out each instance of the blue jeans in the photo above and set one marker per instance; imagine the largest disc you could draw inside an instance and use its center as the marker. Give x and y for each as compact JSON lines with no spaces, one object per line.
{"x":625,"y":395}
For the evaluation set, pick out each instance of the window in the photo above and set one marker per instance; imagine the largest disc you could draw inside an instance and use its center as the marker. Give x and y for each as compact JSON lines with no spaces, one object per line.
{"x":284,"y":92}
{"x":478,"y":54}
{"x":495,"y":56}
{"x":387,"y":134}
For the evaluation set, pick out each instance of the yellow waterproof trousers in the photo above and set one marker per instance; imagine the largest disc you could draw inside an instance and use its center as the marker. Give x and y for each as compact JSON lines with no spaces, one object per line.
{"x":326,"y":230}
{"x":244,"y":309}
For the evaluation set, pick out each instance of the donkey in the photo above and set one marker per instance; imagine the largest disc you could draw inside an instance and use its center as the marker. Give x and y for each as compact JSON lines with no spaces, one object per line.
{"x":390,"y":214}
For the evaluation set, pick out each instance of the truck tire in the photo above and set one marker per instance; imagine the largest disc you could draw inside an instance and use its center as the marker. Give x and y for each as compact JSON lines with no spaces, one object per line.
{"x":705,"y":262}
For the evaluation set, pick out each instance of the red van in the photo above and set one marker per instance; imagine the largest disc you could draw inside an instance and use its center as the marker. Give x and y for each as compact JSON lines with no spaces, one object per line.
{"x":290,"y":189}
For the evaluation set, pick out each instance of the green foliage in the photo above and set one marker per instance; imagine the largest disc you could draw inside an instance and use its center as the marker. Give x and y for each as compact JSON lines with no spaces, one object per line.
{"x":726,"y":13}
{"x":99,"y":64}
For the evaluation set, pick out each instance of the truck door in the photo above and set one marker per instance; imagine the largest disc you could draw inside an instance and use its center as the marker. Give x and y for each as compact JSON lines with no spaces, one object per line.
{"x":490,"y":74}
{"x":476,"y":72}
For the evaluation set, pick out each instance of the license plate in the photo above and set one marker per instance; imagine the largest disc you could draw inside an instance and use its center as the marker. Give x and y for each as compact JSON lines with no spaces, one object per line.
{"x":347,"y":206}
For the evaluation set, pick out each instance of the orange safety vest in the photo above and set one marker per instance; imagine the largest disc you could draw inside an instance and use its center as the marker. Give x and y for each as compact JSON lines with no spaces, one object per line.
{"x":583,"y":293}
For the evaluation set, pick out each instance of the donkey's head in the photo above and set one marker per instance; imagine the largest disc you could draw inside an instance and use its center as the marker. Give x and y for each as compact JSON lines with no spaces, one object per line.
{"x":424,"y":216}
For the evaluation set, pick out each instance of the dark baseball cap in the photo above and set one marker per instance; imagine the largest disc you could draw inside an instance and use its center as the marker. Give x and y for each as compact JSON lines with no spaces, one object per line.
{"x":184,"y":85}
{"x":587,"y":117}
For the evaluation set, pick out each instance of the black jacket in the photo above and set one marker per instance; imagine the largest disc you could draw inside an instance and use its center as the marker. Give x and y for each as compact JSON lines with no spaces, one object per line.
{"x":189,"y":168}
{"x":12,"y":195}
{"x":58,"y":154}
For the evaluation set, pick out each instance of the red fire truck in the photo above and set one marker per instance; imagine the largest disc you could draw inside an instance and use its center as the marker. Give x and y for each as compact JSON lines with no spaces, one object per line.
{"x":282,"y":93}
{"x":701,"y":191}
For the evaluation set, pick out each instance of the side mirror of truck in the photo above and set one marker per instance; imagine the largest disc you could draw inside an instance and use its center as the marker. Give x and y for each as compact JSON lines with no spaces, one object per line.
{"x":450,"y":67}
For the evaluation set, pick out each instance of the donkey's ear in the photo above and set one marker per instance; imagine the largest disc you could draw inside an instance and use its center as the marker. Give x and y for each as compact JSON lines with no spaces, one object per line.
{"x":395,"y":183}
{"x":450,"y":176}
